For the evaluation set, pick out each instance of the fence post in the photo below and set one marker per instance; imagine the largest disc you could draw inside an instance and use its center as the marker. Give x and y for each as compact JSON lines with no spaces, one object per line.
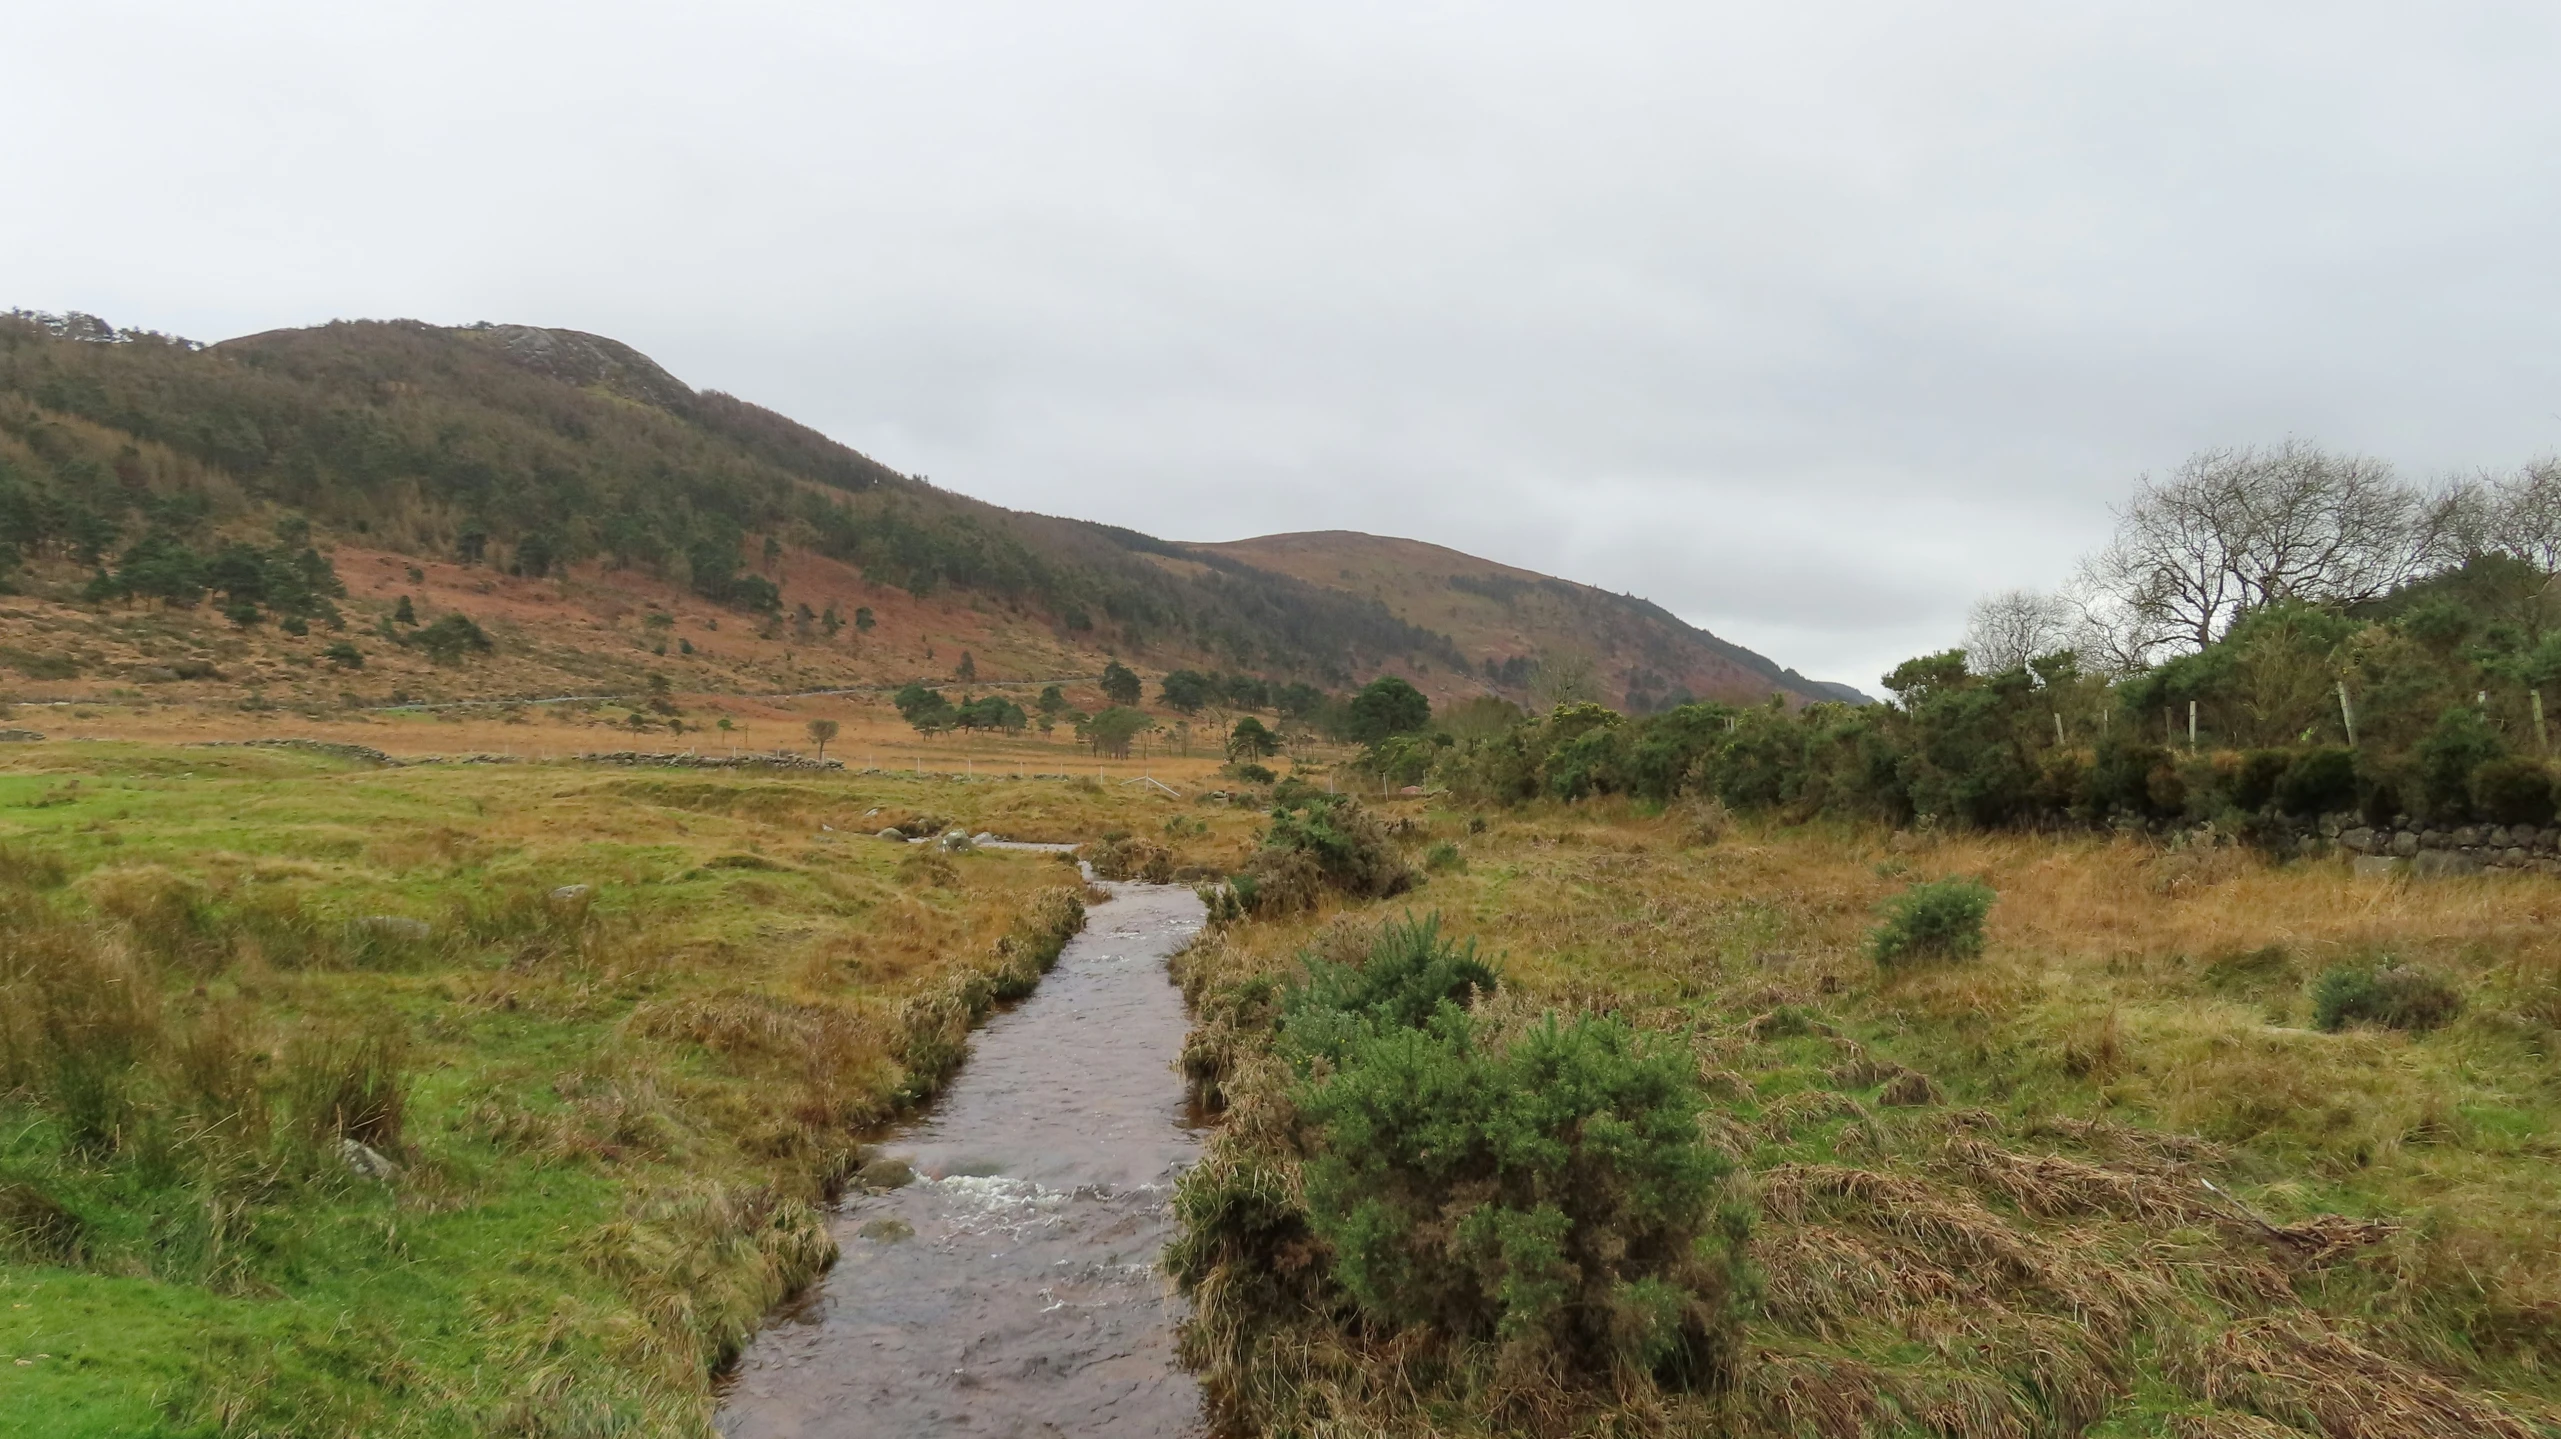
{"x":2347,"y":714}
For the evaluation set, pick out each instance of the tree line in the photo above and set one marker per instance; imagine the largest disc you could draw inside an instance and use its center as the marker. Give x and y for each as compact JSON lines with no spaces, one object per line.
{"x":2269,"y":633}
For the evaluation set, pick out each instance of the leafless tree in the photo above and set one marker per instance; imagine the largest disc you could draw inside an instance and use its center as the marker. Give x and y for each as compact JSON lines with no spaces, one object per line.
{"x":2518,"y":514}
{"x":2006,"y":630}
{"x":2236,"y":530}
{"x":1564,"y":677}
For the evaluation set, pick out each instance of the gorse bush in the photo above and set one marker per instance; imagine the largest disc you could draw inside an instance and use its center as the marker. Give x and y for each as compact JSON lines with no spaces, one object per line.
{"x":1552,"y":1193}
{"x":2389,"y":994}
{"x":1548,"y":1191}
{"x":1315,"y":843}
{"x":2512,"y":791}
{"x":1410,"y":973}
{"x":1935,"y":919}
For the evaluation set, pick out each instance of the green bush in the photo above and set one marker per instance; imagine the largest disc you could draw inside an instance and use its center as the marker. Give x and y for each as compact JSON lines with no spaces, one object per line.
{"x":1410,"y":973}
{"x":1318,"y":842}
{"x":2512,"y":791}
{"x":2121,"y":778}
{"x":1553,"y":1194}
{"x":1935,"y":919}
{"x":2389,"y":994}
{"x":2461,"y":743}
{"x":1443,"y":858}
{"x":2319,"y":781}
{"x":2254,"y":782}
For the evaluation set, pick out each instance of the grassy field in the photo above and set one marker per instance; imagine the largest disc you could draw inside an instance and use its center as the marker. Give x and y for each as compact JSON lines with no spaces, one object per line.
{"x":615,"y":1031}
{"x":1981,"y":1187}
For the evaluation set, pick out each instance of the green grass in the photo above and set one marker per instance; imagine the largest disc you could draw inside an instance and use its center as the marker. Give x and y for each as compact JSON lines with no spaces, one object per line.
{"x":1978,"y":1183}
{"x":619,"y":1112}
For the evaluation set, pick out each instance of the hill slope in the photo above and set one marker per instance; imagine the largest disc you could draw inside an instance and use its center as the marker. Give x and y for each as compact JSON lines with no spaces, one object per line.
{"x":606,"y":521}
{"x":1509,"y":620}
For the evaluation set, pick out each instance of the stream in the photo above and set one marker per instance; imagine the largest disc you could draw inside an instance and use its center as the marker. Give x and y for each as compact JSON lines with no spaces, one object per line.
{"x":1012,"y":1288}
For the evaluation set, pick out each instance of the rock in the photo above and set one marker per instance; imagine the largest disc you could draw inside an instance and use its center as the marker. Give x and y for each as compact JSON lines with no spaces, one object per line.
{"x":2405,"y":843}
{"x":2465,"y":836}
{"x":2444,"y":864}
{"x":892,"y":834}
{"x":393,"y":926}
{"x":982,"y":837}
{"x":2374,"y":866}
{"x":2360,"y":839}
{"x":2516,"y":857}
{"x":957,"y":843}
{"x":569,"y":894}
{"x":2432,"y":839}
{"x":2496,"y":836}
{"x":365,"y":1161}
{"x":19,"y":736}
{"x":885,"y":1174}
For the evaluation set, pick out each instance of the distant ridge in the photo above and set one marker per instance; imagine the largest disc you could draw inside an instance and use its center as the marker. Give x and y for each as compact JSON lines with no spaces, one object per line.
{"x":1508,"y":620}
{"x":522,"y":451}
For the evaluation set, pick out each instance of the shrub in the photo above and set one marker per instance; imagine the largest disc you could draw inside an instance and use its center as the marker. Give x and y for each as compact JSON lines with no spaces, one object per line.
{"x":1443,"y":858}
{"x":2121,"y":776}
{"x":2319,"y":781}
{"x":2254,"y":781}
{"x":1409,"y":974}
{"x":1935,"y":919}
{"x":1704,"y":820}
{"x":450,"y":638}
{"x":1318,"y":842}
{"x":1551,"y":1194}
{"x":2512,"y":791}
{"x":2390,"y":994}
{"x":1132,"y":857}
{"x":2461,"y":743}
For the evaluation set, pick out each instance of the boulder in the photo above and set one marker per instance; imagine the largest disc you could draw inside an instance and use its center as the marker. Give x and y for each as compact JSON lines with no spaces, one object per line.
{"x":892,"y":834}
{"x":2359,"y":839}
{"x":366,"y":1162}
{"x":2405,"y":843}
{"x":2444,"y":864}
{"x":2374,"y":866}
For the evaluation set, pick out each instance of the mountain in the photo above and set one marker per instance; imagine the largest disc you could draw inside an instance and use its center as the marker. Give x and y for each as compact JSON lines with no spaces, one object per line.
{"x":602,"y":519}
{"x":1509,"y":621}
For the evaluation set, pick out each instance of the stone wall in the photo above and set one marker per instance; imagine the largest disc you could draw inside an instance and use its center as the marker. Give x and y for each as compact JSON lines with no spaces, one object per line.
{"x":2435,"y":849}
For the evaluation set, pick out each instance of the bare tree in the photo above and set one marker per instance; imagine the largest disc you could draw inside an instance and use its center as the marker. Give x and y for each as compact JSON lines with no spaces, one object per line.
{"x":2006,"y":630}
{"x":1564,"y":677}
{"x":2240,"y":529}
{"x":2517,"y":515}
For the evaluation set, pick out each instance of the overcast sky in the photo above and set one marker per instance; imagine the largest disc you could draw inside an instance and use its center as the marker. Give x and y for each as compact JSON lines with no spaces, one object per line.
{"x":1809,"y":321}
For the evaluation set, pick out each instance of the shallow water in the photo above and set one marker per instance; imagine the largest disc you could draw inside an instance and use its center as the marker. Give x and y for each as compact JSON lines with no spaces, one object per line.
{"x":1012,"y":1289}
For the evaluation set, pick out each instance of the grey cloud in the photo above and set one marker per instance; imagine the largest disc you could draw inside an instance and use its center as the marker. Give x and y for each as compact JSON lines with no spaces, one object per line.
{"x":1809,"y":322}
